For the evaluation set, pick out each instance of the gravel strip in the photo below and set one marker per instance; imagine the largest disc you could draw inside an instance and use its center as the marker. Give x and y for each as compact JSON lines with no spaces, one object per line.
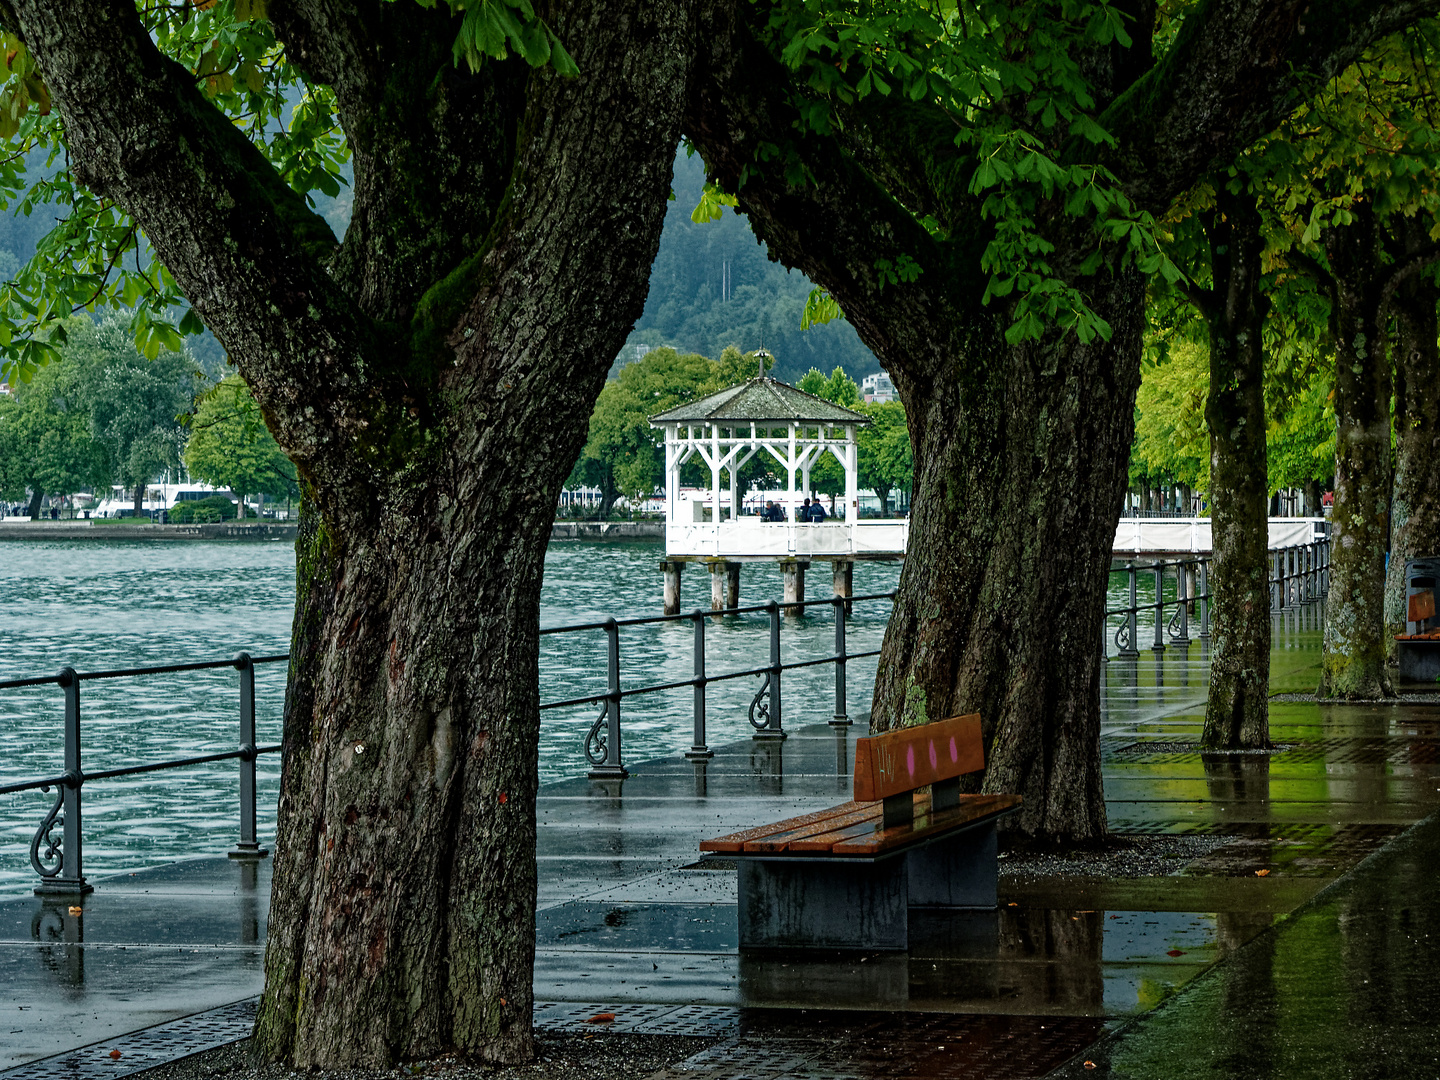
{"x":601,"y":1056}
{"x":1121,"y":857}
{"x":1404,"y":697}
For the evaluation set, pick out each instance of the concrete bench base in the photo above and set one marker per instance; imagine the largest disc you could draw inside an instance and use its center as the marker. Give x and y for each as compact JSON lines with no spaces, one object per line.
{"x":790,"y":902}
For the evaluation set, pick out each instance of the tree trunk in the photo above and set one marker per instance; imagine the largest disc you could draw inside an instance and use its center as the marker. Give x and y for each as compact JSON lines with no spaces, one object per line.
{"x":1312,"y":498}
{"x":139,"y":499}
{"x":1415,"y":503}
{"x":883,"y":494}
{"x":1237,"y":708}
{"x":1018,"y":486}
{"x":1353,"y":658}
{"x":432,"y":377}
{"x":36,"y":498}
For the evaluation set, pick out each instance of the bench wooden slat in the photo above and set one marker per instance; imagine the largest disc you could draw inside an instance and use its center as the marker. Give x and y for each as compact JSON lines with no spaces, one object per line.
{"x":971,"y":808}
{"x":908,"y":758}
{"x":870,"y":826}
{"x":787,"y":840}
{"x":735,"y":842}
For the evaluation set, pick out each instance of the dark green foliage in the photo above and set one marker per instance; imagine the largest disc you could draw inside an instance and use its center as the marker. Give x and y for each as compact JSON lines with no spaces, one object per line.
{"x":202,"y":511}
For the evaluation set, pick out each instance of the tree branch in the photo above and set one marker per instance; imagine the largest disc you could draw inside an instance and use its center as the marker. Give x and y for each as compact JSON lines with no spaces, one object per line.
{"x":1237,"y":68}
{"x":1411,"y":264}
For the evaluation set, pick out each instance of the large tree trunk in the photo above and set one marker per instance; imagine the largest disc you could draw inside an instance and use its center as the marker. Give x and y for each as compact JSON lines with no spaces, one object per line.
{"x":432,"y":378}
{"x":1001,"y":600}
{"x":1237,"y":708}
{"x":37,"y":496}
{"x":1415,"y":502}
{"x":1353,"y":657}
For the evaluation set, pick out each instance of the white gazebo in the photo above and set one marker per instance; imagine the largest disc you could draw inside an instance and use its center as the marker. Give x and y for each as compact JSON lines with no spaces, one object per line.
{"x":795,"y":429}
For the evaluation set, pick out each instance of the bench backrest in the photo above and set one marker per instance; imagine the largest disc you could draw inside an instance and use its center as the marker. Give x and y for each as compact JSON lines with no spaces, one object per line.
{"x":898,"y":761}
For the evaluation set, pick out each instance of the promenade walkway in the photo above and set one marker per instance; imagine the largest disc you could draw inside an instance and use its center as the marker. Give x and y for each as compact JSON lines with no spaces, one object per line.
{"x":1218,"y":850}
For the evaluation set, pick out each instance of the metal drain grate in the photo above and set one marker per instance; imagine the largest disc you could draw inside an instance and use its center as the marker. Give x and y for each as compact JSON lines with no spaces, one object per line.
{"x":146,"y":1048}
{"x":566,"y":1016}
{"x":814,"y":1046}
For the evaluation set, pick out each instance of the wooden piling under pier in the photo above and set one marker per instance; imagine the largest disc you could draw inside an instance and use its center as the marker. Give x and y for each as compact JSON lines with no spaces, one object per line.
{"x":724,"y":575}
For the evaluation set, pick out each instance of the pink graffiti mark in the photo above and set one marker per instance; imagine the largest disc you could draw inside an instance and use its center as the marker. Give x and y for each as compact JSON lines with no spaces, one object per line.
{"x":934,"y":758}
{"x":910,"y":759}
{"x":954,"y":750}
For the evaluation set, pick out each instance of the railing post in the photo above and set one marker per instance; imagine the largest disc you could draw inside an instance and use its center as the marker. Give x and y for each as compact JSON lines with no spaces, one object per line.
{"x":1204,"y":592}
{"x":841,"y":717}
{"x":1182,"y":598}
{"x":612,"y":769}
{"x":1276,"y":603}
{"x":70,"y":878}
{"x":698,"y":750}
{"x":1159,"y":645}
{"x":249,"y":845}
{"x":773,"y":728}
{"x":1132,"y":637}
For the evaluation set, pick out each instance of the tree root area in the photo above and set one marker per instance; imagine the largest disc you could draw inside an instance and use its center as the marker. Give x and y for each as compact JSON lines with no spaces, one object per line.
{"x":599,"y":1056}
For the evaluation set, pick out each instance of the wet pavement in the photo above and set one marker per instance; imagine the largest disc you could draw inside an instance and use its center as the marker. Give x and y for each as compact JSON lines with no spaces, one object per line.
{"x":633,"y":922}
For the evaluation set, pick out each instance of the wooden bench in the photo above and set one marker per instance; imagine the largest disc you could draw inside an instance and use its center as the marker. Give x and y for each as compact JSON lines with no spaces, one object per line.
{"x":847,"y":877}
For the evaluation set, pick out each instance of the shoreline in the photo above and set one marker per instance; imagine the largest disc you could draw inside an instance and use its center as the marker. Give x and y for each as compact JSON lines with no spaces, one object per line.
{"x":97,"y":530}
{"x":229,"y":530}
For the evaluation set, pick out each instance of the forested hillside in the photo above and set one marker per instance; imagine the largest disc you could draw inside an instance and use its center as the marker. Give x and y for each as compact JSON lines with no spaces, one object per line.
{"x":690,"y":309}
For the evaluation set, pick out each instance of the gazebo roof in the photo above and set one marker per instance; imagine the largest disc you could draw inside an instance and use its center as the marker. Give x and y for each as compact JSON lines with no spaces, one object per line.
{"x":761,"y":401}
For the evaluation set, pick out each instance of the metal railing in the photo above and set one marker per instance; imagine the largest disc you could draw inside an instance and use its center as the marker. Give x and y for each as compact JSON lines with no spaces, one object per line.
{"x":603,"y":740}
{"x":1297,"y":575}
{"x":59,"y":860}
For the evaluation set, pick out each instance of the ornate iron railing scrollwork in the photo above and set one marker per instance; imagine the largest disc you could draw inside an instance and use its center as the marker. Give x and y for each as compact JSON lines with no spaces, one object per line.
{"x":54,"y":845}
{"x":596,"y":747}
{"x":1122,"y":636}
{"x":1173,"y":626}
{"x":760,"y":707}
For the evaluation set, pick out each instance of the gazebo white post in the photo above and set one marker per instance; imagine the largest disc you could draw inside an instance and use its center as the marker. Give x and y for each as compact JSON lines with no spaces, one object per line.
{"x":805,"y":468}
{"x":734,"y":480}
{"x":715,"y":480}
{"x":852,"y":476}
{"x":790,"y":472}
{"x":672,"y":471}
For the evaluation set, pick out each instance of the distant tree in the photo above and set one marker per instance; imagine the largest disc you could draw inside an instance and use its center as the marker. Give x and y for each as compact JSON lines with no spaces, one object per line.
{"x":46,"y":445}
{"x":134,"y":404}
{"x":629,"y":453}
{"x":827,"y":476}
{"x":1170,"y":435}
{"x":230,"y":446}
{"x":887,"y":461}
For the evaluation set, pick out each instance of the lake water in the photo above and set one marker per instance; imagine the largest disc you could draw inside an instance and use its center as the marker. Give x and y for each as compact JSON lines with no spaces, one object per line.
{"x":96,"y":605}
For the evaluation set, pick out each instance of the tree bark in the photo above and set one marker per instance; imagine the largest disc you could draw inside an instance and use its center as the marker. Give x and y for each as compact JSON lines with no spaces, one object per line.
{"x":36,"y":498}
{"x":1353,"y":656}
{"x":1415,"y":499}
{"x":1237,"y":708}
{"x":432,"y":378}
